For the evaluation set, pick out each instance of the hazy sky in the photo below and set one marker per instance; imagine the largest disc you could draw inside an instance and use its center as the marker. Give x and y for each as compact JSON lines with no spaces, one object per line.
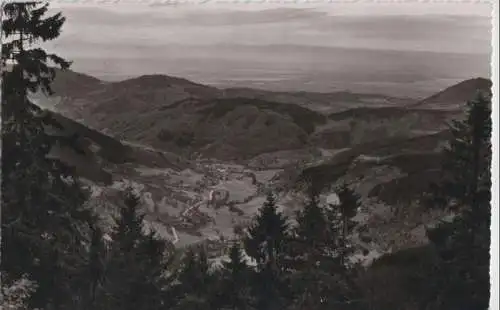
{"x":212,"y":41}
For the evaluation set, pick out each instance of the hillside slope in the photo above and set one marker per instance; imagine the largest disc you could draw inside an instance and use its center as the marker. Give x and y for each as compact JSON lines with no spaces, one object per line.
{"x":178,"y":115}
{"x":96,"y":156}
{"x":387,"y":153}
{"x":191,"y":119}
{"x":454,"y":96}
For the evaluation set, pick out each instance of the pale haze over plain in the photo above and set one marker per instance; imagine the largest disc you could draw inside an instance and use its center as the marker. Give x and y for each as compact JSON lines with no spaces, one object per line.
{"x":404,"y":49}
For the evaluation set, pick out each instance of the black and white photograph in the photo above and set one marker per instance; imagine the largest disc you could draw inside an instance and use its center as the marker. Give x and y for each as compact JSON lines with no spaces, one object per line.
{"x":249,"y":155}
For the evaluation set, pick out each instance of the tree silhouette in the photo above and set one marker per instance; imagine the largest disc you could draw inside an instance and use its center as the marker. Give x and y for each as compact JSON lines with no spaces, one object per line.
{"x":44,"y":224}
{"x":266,"y":243}
{"x":320,"y":279}
{"x":235,"y":281}
{"x":194,"y":282}
{"x":462,"y":277}
{"x":135,"y":272}
{"x":347,"y":208}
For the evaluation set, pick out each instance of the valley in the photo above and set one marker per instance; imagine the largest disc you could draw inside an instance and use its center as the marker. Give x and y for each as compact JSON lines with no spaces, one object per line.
{"x":203,"y":159}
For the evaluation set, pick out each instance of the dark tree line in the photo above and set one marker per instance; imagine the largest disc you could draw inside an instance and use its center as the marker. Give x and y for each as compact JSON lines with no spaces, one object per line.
{"x":50,"y":237}
{"x":462,"y":275}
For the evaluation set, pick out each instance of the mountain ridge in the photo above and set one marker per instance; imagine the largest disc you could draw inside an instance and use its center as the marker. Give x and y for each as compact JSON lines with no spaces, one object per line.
{"x":176,"y":114}
{"x":462,"y":91}
{"x":177,"y":145}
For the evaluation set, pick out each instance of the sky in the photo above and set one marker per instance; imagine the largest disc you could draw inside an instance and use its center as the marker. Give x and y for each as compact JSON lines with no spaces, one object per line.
{"x":285,"y":45}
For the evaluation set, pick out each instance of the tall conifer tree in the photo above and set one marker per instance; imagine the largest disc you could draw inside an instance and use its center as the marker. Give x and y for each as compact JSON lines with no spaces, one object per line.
{"x":347,"y":209}
{"x":135,"y":272}
{"x":462,"y":277}
{"x":235,"y":276}
{"x":44,"y":224}
{"x":267,"y":243}
{"x":194,"y":282}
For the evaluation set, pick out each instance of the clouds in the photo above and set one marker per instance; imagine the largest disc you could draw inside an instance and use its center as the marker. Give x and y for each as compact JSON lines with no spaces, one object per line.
{"x":230,"y":41}
{"x":110,"y":16}
{"x":240,"y":18}
{"x":107,"y":28}
{"x":333,"y":7}
{"x":439,"y":33}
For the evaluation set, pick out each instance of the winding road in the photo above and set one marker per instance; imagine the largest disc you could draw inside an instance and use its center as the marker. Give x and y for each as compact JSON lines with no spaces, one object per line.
{"x":197,"y":205}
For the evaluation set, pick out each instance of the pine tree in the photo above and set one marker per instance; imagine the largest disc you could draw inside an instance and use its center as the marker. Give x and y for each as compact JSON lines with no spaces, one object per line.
{"x":462,"y":277}
{"x":310,"y":254}
{"x":267,"y":244}
{"x":234,"y":290}
{"x":347,"y":209}
{"x":44,"y":225}
{"x":154,"y":265}
{"x":466,"y":166}
{"x":135,"y":271}
{"x":313,"y":230}
{"x":96,"y":264}
{"x":267,"y":237}
{"x":321,"y":279}
{"x":194,"y":282}
{"x":23,"y":24}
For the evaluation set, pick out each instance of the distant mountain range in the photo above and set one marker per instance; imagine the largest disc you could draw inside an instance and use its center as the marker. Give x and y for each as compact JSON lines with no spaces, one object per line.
{"x":192,"y":119}
{"x":187,"y":120}
{"x":290,"y":67}
{"x":175,"y":138}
